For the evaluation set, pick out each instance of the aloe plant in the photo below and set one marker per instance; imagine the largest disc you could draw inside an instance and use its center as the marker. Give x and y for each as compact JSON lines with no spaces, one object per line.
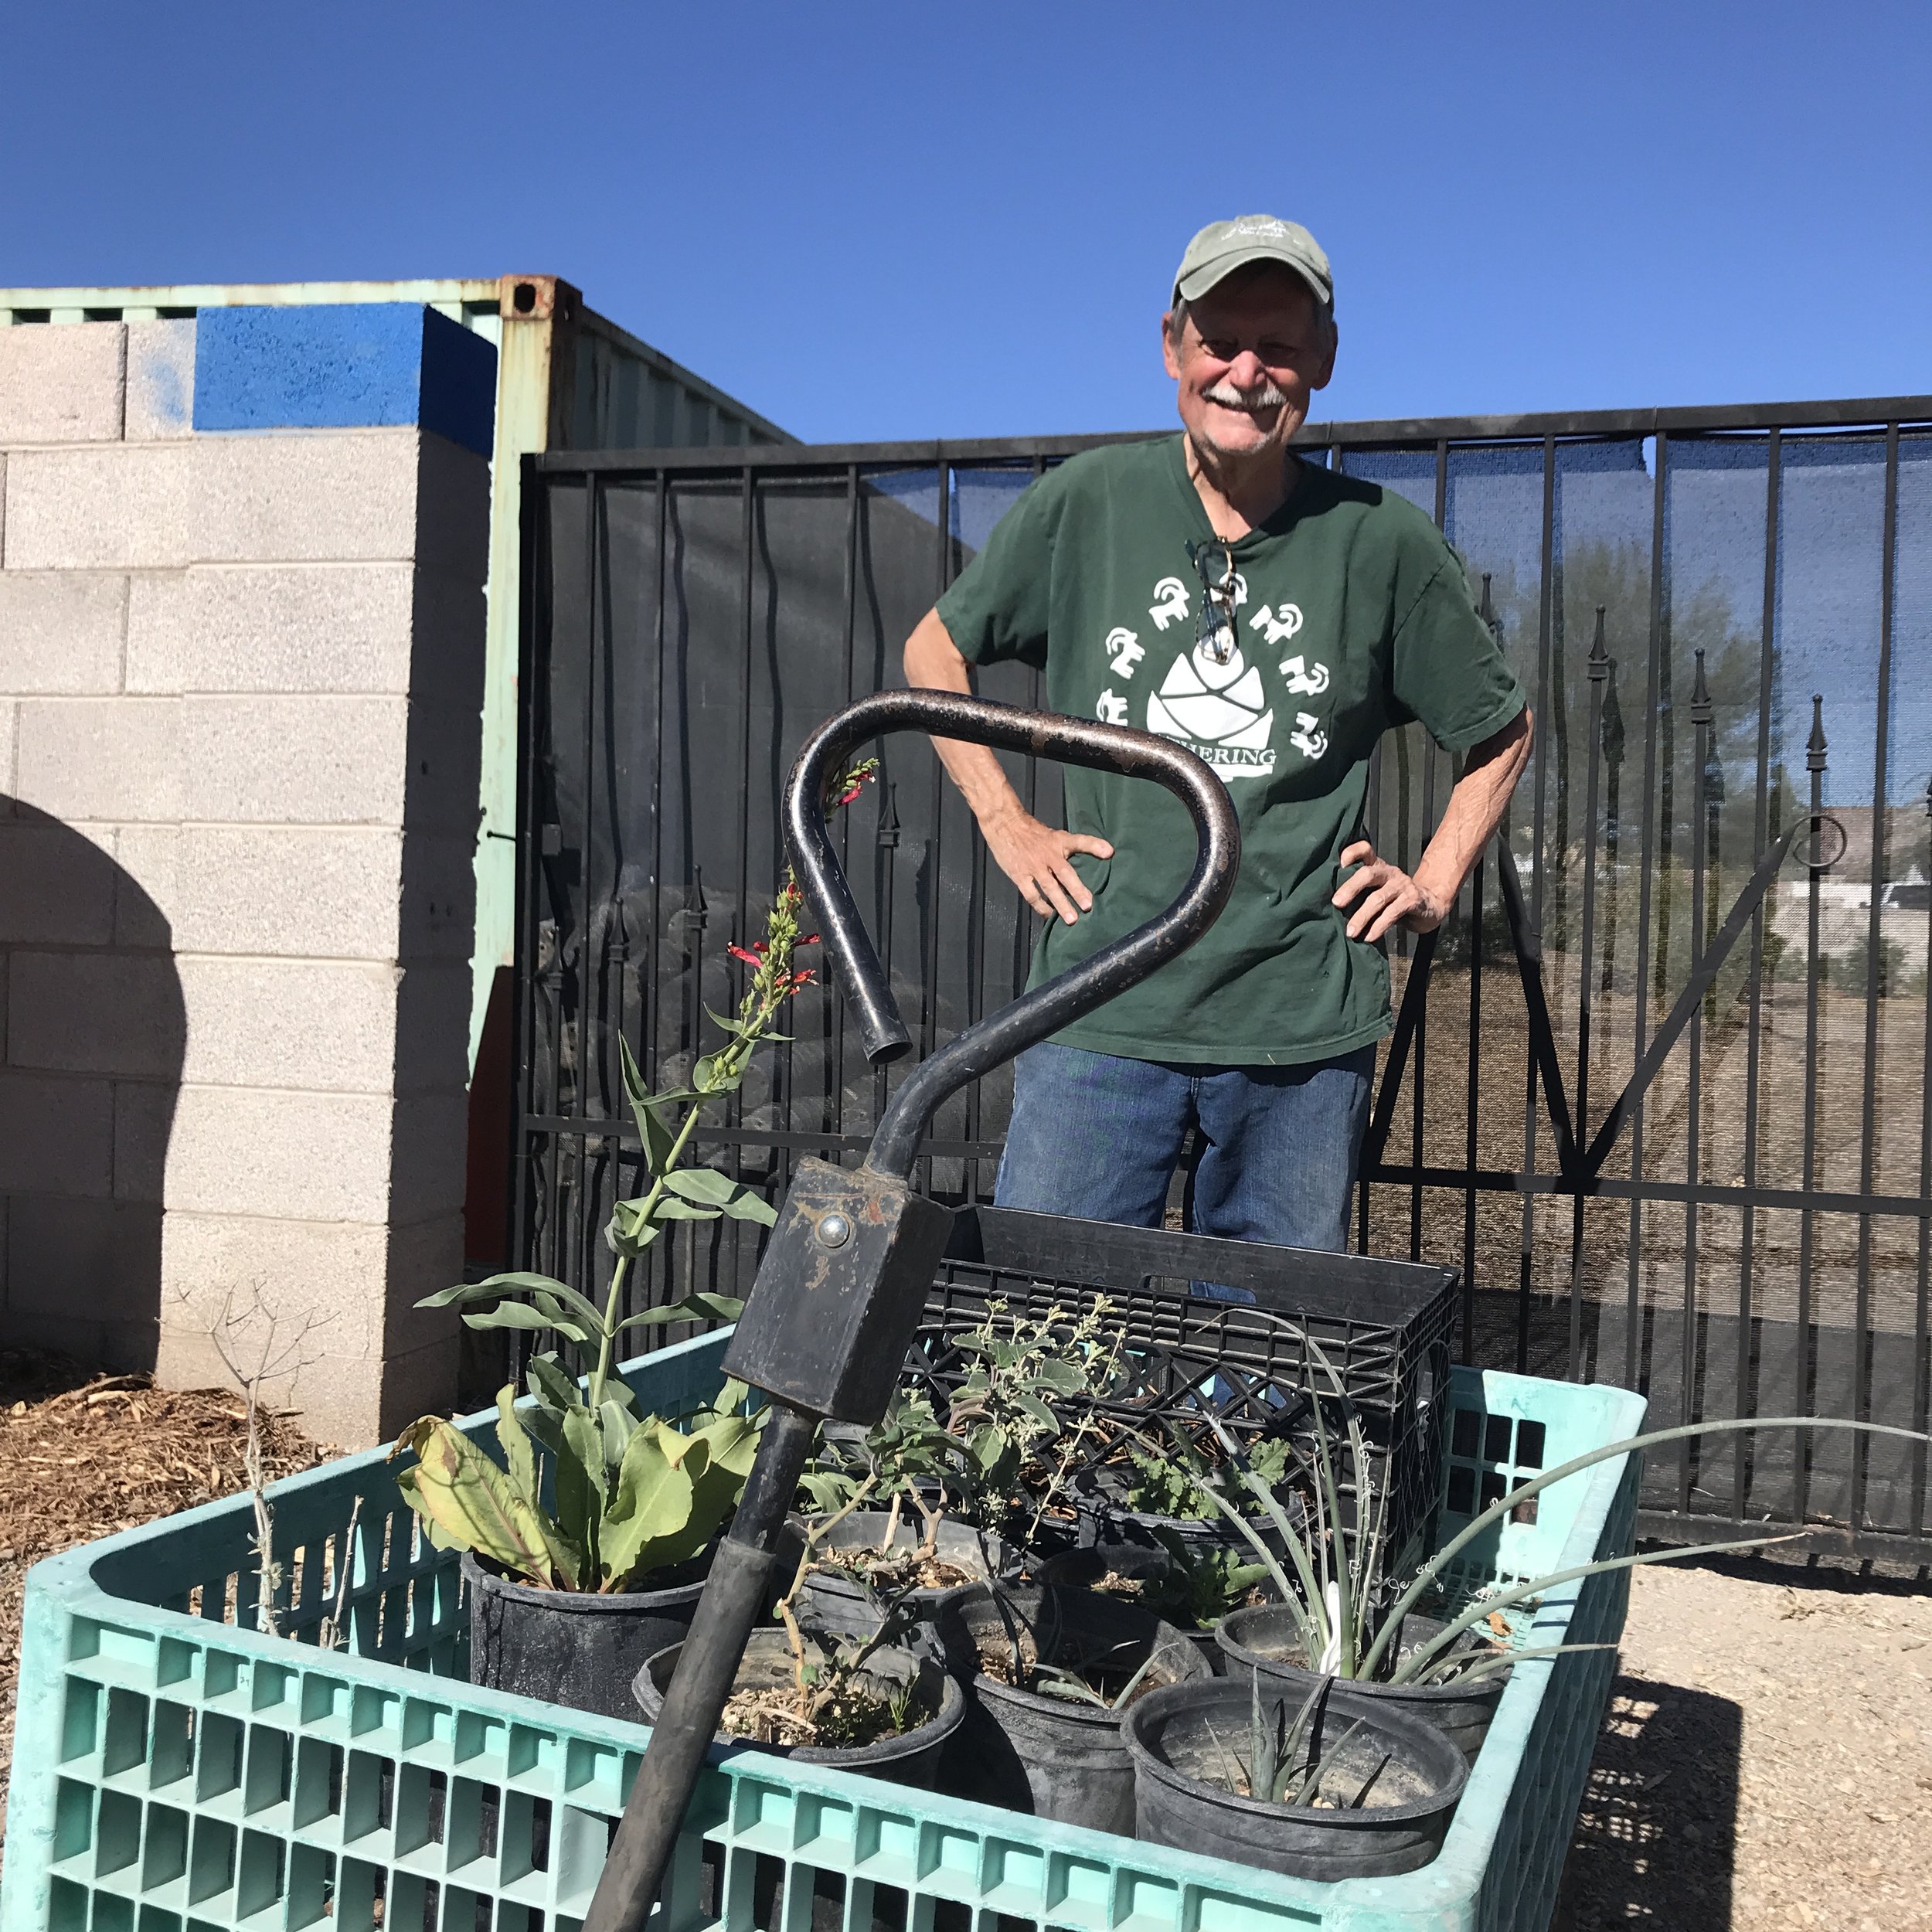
{"x":1336,"y":1580}
{"x":590,"y":1495}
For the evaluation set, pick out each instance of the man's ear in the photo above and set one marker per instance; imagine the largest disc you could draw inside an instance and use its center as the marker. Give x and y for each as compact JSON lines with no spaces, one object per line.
{"x":1168,"y":356}
{"x":1327,"y":366}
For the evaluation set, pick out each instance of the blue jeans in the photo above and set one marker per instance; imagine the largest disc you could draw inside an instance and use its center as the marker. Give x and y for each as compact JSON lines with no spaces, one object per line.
{"x":1098,"y":1136}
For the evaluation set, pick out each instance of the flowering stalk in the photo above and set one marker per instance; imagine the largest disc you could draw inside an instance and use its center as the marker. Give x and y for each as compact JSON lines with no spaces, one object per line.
{"x":623,"y":1498}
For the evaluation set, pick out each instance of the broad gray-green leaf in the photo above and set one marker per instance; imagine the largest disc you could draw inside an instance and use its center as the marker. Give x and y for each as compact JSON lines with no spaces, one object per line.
{"x":710,"y":1188}
{"x":700,"y":1306}
{"x":557,"y":1391}
{"x":580,"y":1307}
{"x":465,"y":1292}
{"x":672,"y":1208}
{"x":653,"y":1130}
{"x":515,"y":1314}
{"x":563,"y":1322}
{"x":704,"y":1184}
{"x":582,"y":1484}
{"x":619,"y":1426}
{"x":650,"y":1505}
{"x":732,"y":1442}
{"x":514,"y":1440}
{"x":453,"y":1484}
{"x":633,"y":1226}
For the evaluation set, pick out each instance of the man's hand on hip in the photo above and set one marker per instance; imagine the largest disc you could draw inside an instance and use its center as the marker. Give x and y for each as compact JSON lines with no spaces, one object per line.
{"x":1038,"y":859}
{"x":1384,"y":896}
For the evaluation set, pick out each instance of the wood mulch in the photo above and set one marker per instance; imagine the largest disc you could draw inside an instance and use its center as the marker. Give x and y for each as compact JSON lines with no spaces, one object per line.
{"x":83,"y":1455}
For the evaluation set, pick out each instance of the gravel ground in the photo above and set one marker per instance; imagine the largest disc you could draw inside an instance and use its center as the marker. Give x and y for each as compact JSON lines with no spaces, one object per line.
{"x":1767,"y":1759}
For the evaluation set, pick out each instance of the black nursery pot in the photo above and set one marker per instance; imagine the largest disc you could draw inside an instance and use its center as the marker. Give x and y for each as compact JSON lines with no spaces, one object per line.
{"x":1179,"y":1739}
{"x":1082,"y":1568}
{"x":912,"y":1758}
{"x":575,"y":1647}
{"x":1264,"y":1639}
{"x":1054,"y":1757}
{"x":837,"y":1602}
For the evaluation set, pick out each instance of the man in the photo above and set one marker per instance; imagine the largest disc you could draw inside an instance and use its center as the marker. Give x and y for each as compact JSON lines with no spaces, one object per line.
{"x":1278,"y":618}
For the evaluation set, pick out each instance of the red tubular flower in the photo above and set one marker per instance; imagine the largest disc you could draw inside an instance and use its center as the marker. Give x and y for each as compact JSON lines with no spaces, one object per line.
{"x":750,"y":958}
{"x":810,"y":939}
{"x":846,"y":798}
{"x":804,"y":977}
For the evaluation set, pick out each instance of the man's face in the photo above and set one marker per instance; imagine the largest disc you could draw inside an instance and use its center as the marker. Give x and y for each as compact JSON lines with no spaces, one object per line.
{"x":1254,"y":349}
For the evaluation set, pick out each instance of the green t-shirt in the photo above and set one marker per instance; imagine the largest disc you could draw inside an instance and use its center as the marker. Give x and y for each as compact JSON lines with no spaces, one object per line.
{"x":1352,"y":616}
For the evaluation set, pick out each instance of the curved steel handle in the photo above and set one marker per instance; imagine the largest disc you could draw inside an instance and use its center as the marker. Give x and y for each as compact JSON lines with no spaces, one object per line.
{"x":1001,"y":1035}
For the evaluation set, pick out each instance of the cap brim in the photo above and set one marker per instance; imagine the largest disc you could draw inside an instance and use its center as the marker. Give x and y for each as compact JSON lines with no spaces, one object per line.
{"x":1191,"y":287}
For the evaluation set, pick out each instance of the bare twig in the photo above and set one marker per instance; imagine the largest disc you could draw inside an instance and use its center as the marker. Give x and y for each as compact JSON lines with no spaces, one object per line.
{"x":332,"y":1635}
{"x":283,"y":1353}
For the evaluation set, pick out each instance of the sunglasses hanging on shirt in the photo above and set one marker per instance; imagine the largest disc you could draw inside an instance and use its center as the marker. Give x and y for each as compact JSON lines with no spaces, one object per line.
{"x":1214,"y":627}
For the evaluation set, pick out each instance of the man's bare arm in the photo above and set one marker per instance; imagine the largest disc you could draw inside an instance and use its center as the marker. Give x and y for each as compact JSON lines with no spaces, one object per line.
{"x":1036,"y":857}
{"x":1384,"y":895}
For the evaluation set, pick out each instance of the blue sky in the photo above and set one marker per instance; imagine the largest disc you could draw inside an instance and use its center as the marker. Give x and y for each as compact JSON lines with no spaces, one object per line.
{"x":878,"y":221}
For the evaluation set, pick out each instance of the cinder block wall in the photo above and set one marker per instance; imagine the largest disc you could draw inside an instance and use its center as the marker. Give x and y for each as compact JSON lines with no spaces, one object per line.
{"x":240,"y":682}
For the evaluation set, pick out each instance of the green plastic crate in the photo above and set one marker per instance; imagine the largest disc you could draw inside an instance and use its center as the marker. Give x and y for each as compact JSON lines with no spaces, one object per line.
{"x":176,"y":1771}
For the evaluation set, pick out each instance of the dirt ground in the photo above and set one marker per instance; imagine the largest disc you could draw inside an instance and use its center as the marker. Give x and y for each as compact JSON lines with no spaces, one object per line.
{"x":1767,"y":1761}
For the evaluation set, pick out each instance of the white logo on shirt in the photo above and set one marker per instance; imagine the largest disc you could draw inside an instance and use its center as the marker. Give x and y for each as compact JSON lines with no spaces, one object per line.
{"x":1170,"y":602}
{"x":1111,"y":709}
{"x":1281,"y":625}
{"x":1309,"y":738}
{"x":1304,"y":680}
{"x":1217,"y":709}
{"x":1124,"y":651}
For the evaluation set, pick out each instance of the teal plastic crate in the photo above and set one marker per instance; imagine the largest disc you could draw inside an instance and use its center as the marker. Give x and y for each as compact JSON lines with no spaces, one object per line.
{"x":176,"y":1770}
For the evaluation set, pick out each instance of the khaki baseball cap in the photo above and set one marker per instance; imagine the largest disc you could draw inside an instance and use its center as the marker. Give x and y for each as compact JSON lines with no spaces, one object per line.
{"x":1224,"y":247}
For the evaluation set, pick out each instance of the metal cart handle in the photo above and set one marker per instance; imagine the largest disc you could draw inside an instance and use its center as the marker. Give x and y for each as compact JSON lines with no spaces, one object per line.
{"x":1030,"y":1018}
{"x":840,"y":1291}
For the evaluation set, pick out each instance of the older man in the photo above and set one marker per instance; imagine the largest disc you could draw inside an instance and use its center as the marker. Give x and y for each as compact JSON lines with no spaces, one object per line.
{"x":1278,"y":618}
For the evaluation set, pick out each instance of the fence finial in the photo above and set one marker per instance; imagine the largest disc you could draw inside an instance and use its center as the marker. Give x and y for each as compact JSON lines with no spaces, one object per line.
{"x":1599,"y":665}
{"x":1700,"y":695}
{"x":888,"y":818}
{"x":1815,"y":745}
{"x":698,"y":911}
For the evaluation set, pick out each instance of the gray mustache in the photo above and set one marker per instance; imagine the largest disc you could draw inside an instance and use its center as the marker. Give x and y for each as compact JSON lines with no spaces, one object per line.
{"x":1267,"y":397}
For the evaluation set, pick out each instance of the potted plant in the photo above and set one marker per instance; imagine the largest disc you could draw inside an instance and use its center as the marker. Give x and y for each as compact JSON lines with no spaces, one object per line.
{"x":1329,"y":1620}
{"x":1053,"y":1672}
{"x":1190,"y":1583}
{"x":1329,"y":1785}
{"x":893,"y":1517}
{"x":870,"y":1694}
{"x":1027,"y":1412}
{"x":587,"y":1537}
{"x":1140,"y":1499}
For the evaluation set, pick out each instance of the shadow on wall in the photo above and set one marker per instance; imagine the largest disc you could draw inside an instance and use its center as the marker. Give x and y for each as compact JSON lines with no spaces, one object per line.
{"x":94,"y":1028}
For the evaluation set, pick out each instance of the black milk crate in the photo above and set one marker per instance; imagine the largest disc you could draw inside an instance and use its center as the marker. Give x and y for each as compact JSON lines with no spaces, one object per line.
{"x":1384,"y":1327}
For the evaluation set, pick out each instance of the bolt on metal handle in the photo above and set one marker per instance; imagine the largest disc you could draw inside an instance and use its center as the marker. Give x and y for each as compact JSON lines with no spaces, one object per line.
{"x":1068,"y":995}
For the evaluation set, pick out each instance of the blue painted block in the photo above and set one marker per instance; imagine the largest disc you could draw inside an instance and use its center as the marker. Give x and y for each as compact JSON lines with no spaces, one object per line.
{"x":347,"y":365}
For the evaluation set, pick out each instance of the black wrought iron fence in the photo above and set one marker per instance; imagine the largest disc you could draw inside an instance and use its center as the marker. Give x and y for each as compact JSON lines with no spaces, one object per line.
{"x":1660,"y":1088}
